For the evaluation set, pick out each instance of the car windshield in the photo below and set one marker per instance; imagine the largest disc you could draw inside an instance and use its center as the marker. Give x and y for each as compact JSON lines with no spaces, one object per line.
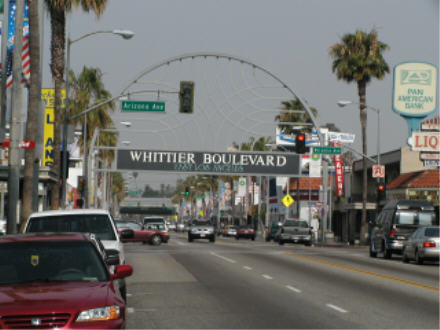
{"x":246,"y":227}
{"x":32,"y":261}
{"x":232,"y":227}
{"x":155,"y":226}
{"x":130,"y":225}
{"x":99,"y":224}
{"x":201,"y":223}
{"x":296,"y":223}
{"x":153,"y":220}
{"x":432,"y":232}
{"x":413,"y":217}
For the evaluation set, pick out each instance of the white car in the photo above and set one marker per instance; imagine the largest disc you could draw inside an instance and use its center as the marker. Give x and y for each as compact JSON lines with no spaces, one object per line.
{"x":3,"y":227}
{"x":98,"y":222}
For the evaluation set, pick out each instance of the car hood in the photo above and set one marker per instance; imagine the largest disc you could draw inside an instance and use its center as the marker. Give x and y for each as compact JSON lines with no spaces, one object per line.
{"x":53,"y":297}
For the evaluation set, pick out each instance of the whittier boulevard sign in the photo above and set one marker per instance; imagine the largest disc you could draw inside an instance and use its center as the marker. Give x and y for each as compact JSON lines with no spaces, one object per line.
{"x":232,"y":163}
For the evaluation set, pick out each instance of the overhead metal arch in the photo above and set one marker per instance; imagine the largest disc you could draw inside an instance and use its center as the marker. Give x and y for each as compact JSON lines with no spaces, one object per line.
{"x":228,"y":57}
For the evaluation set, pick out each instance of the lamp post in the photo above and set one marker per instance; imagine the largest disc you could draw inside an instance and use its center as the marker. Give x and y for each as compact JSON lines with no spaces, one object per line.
{"x":344,"y":103}
{"x":126,"y":34}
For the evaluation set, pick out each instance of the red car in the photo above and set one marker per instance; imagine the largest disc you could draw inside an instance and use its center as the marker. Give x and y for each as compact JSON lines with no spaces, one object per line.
{"x":245,"y":232}
{"x":58,"y":281}
{"x":152,"y":233}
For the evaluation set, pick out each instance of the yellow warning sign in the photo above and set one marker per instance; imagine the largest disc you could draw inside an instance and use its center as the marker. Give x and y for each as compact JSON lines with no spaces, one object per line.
{"x":287,"y":200}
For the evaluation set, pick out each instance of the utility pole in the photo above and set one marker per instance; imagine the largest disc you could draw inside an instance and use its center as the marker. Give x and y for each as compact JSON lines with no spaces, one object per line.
{"x":16,"y":135}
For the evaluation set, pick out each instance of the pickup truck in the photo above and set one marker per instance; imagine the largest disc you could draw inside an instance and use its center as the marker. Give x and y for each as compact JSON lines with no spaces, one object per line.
{"x":295,"y":231}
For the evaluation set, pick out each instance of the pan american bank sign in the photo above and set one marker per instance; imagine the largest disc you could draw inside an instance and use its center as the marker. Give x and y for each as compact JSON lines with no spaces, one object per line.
{"x":220,"y":163}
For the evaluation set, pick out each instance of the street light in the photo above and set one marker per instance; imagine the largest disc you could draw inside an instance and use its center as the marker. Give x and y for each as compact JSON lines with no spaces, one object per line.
{"x":344,"y":103}
{"x":126,"y":34}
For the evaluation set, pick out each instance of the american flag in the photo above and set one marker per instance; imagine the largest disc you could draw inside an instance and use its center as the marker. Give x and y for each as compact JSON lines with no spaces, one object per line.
{"x":25,"y":58}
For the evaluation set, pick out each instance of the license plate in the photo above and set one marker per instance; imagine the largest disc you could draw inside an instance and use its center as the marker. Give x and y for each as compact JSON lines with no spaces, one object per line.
{"x":202,"y":235}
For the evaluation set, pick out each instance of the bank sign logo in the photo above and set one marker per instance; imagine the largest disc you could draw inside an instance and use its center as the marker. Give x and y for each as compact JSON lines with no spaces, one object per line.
{"x":416,"y":77}
{"x":415,"y":89}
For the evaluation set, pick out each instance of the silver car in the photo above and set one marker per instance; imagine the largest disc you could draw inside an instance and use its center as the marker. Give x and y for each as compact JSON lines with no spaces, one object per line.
{"x":423,"y":244}
{"x":201,"y":229}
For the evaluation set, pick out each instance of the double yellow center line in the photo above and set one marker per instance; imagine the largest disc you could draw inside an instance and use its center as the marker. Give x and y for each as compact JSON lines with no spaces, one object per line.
{"x":386,"y":277}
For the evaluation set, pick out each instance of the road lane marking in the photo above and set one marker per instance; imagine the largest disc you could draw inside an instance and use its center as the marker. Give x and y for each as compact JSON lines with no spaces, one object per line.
{"x":247,"y":267}
{"x":129,"y":294}
{"x":224,"y":258}
{"x":267,"y":277}
{"x":336,"y":308}
{"x":365,"y":272}
{"x":293,"y":289}
{"x":130,"y":310}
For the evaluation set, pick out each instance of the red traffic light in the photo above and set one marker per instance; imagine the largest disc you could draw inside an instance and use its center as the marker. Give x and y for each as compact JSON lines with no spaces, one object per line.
{"x":300,"y":137}
{"x":381,"y":187}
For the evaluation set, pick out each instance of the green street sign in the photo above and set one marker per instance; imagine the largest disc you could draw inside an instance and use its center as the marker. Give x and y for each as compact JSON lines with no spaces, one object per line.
{"x":327,"y":150}
{"x":143,"y":106}
{"x":134,"y":192}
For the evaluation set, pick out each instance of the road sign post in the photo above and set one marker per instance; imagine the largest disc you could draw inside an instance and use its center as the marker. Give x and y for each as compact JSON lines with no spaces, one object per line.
{"x":142,"y":106}
{"x":327,"y":150}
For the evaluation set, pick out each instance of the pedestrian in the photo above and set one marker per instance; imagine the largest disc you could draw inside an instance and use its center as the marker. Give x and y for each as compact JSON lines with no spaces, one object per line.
{"x":314,"y":224}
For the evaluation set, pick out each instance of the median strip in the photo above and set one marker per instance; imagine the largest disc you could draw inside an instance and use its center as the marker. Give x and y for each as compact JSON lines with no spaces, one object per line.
{"x":365,"y":272}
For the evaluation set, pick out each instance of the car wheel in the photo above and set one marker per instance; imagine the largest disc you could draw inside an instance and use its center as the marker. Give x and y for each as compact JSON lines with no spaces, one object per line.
{"x":280,"y":242}
{"x":386,"y":252}
{"x":212,"y":239}
{"x":253,"y":238}
{"x":190,"y":239}
{"x":419,"y":259}
{"x":237,"y":237}
{"x":373,"y":253}
{"x":156,"y":240}
{"x":405,"y":258}
{"x":267,"y":239}
{"x":123,"y":290}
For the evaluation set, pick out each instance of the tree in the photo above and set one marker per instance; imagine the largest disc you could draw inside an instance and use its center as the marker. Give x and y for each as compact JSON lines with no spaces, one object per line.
{"x":287,"y":115}
{"x":88,"y":89}
{"x":32,"y":124}
{"x":57,"y":11}
{"x":358,"y":58}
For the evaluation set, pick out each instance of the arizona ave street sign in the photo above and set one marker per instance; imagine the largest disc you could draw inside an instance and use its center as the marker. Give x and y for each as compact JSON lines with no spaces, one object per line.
{"x":219,"y":163}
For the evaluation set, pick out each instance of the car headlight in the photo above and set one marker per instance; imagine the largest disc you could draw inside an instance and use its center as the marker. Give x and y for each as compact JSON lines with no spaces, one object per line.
{"x":99,"y":314}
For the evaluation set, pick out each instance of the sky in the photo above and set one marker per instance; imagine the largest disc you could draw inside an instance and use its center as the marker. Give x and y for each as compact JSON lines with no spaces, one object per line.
{"x":288,"y":38}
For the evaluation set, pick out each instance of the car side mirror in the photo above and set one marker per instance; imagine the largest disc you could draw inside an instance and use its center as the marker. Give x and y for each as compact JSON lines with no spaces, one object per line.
{"x":112,"y":258}
{"x":127,"y":234}
{"x":122,"y":271}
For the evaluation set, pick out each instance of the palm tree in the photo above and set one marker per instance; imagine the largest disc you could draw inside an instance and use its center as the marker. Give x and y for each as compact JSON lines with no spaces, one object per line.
{"x":57,"y":11}
{"x":359,"y":58}
{"x":32,"y":114}
{"x":291,"y":116}
{"x":88,"y":89}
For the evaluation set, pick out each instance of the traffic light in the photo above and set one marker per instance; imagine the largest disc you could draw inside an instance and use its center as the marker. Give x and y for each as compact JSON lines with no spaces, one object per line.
{"x":186,"y":191}
{"x":300,"y":143}
{"x":186,"y":97}
{"x":381,"y":191}
{"x":81,"y":185}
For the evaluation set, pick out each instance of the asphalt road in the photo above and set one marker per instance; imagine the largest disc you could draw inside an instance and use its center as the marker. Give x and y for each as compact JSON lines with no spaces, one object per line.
{"x":253,"y":284}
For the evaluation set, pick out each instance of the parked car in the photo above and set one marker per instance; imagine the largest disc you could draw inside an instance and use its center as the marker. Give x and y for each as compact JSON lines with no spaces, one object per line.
{"x":295,"y":231}
{"x":99,"y":222}
{"x":201,"y":229}
{"x":272,"y":230}
{"x":3,"y":227}
{"x":153,"y":234}
{"x":245,"y":232}
{"x":58,"y":281}
{"x":230,"y":231}
{"x":423,"y":244}
{"x":396,"y":223}
{"x":171,"y":226}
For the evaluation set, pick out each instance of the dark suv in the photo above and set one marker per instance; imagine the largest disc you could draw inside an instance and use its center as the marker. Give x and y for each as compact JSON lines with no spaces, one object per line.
{"x":396,"y":222}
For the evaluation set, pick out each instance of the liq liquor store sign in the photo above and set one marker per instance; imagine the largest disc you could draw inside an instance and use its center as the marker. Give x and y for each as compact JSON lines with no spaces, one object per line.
{"x":415,"y":92}
{"x":232,"y":163}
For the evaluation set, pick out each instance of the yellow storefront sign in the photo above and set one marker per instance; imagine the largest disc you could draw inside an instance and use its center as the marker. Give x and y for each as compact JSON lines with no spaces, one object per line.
{"x":48,"y":97}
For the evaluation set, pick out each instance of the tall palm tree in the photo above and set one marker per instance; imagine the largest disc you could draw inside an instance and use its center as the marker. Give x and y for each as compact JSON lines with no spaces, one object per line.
{"x":87,"y":89}
{"x":57,"y":11}
{"x":32,"y":114}
{"x":358,"y":58}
